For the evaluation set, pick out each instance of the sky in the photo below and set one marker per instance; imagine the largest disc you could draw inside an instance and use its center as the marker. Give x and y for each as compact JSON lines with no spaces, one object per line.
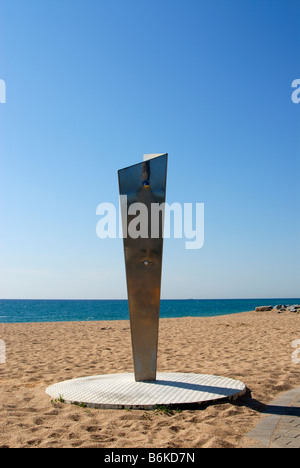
{"x":92,"y":85}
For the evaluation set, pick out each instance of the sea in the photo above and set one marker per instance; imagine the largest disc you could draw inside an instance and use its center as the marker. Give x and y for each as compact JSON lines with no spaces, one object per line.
{"x":26,"y":311}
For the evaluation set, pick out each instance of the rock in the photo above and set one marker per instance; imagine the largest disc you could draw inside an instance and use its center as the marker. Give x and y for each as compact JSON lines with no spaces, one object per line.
{"x":263,"y":308}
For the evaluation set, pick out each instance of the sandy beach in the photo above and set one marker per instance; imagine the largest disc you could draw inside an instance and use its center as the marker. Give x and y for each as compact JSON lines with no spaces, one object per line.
{"x":254,"y":347}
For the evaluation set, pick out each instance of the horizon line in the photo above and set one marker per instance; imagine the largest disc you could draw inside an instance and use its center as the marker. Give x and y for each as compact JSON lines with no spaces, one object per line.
{"x":163,"y":299}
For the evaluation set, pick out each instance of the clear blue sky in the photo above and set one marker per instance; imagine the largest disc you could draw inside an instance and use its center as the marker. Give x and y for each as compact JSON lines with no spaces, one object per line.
{"x":92,"y":85}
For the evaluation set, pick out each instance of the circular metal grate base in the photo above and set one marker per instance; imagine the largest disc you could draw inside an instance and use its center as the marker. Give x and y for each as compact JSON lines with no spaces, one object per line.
{"x":122,"y":391}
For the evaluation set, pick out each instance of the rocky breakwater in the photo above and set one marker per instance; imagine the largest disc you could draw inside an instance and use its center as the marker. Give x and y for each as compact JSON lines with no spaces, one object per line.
{"x":295,"y":308}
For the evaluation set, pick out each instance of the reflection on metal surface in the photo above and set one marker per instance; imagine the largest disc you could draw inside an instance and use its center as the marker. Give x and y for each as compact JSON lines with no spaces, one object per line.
{"x":144,"y":183}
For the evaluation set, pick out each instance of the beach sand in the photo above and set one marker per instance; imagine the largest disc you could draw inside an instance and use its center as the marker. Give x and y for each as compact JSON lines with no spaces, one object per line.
{"x":254,"y":347}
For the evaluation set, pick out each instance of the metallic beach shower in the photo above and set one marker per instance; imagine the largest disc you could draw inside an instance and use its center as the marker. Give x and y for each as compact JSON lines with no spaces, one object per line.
{"x":142,"y":192}
{"x":144,"y":183}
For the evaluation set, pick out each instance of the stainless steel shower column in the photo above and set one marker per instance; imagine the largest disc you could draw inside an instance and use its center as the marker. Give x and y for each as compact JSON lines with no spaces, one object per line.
{"x":142,"y":189}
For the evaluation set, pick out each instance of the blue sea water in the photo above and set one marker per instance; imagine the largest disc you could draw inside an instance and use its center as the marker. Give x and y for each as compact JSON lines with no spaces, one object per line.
{"x":21,"y":311}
